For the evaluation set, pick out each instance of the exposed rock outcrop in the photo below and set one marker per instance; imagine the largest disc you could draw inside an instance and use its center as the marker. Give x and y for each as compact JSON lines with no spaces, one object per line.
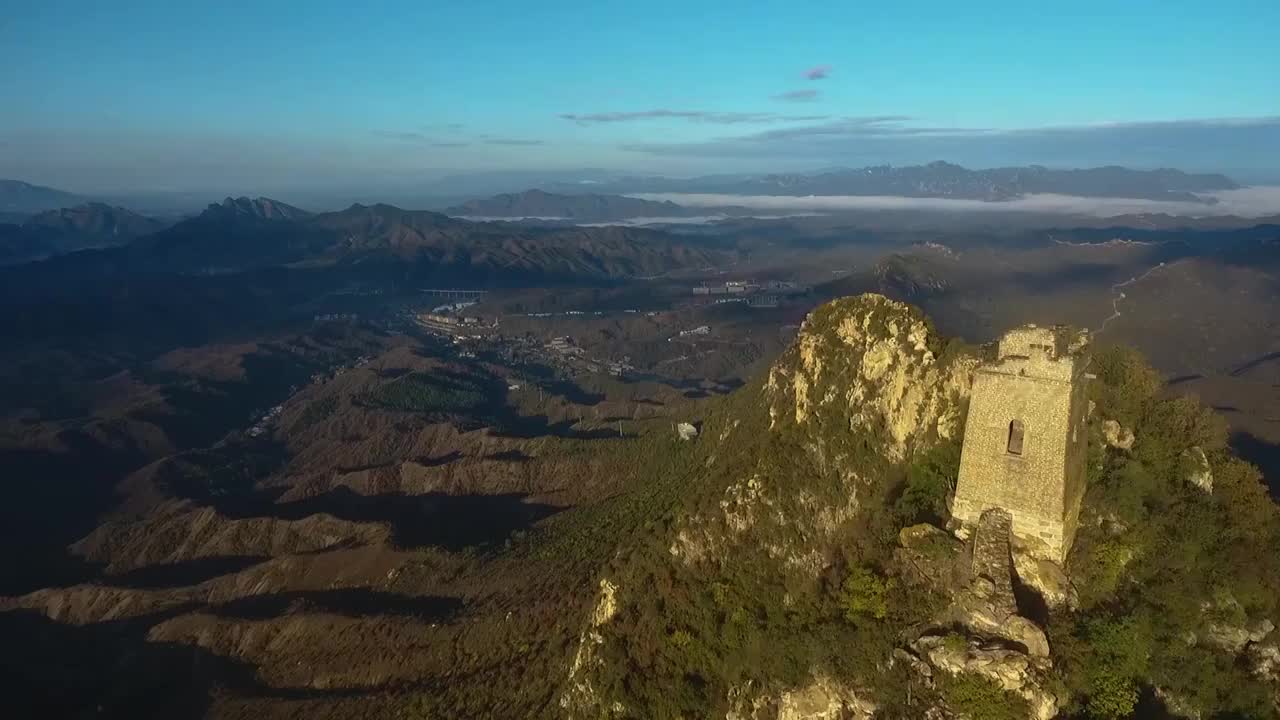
{"x":860,"y":386}
{"x":822,"y":699}
{"x":1196,"y":469}
{"x":1234,"y":638}
{"x":1116,"y":435}
{"x":580,"y":696}
{"x":1177,"y":706}
{"x":1010,"y":669}
{"x":981,"y":632}
{"x":927,"y":555}
{"x":865,"y":386}
{"x":988,"y":607}
{"x":1264,"y":662}
{"x":1046,"y":578}
{"x":869,"y":360}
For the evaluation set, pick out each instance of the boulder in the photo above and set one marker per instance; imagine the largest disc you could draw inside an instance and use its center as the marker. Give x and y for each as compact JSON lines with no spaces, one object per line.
{"x":824,"y":699}
{"x":1196,"y":469}
{"x":1012,"y":670}
{"x":1116,"y":435}
{"x":927,"y":556}
{"x":1234,"y":638}
{"x":1264,"y":661}
{"x":1177,"y":706}
{"x":981,"y":612}
{"x":1045,"y":577}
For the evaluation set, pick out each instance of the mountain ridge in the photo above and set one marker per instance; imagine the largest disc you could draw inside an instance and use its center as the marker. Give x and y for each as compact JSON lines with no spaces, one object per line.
{"x":240,"y":234}
{"x":942,"y":179}
{"x":590,"y":207}
{"x":83,"y":227}
{"x":17,"y":196}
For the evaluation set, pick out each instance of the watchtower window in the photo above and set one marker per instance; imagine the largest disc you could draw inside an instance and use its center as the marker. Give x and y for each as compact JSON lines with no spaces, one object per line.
{"x":1015,"y":437}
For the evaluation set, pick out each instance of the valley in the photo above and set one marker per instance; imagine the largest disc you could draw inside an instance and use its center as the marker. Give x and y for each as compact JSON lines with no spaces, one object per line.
{"x":257,"y":471}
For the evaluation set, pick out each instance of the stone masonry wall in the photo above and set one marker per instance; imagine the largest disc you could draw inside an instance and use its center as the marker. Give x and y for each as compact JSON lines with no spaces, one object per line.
{"x":992,"y":559}
{"x":1043,"y":486}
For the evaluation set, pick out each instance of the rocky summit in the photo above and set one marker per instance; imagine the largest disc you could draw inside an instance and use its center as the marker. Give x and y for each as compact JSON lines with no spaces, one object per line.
{"x":811,"y":570}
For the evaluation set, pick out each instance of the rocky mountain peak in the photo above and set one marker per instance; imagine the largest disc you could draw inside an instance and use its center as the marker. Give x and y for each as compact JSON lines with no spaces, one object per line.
{"x":260,"y":208}
{"x":874,"y":362}
{"x":866,"y":385}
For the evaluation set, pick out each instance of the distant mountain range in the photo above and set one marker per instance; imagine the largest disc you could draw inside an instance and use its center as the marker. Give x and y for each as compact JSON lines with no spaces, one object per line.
{"x":936,"y":180}
{"x":17,"y":197}
{"x":241,"y":234}
{"x":54,"y":232}
{"x":579,"y":208}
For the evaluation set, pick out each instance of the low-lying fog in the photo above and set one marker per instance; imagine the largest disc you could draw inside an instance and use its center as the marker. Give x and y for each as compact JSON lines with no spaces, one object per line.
{"x":1245,"y":202}
{"x":642,"y":221}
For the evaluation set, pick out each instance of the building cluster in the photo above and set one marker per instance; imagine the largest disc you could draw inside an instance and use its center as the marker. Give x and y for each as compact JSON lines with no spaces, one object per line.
{"x":568,"y":354}
{"x":768,"y":294}
{"x":451,"y":320}
{"x":565,"y":346}
{"x":324,"y":376}
{"x":264,"y":422}
{"x":743,"y":287}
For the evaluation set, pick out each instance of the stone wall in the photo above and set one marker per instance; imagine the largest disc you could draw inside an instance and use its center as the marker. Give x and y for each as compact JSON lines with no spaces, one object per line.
{"x":993,"y":559}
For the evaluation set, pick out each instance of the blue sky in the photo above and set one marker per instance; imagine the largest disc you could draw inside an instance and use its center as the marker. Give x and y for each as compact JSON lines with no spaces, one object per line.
{"x":181,"y":96}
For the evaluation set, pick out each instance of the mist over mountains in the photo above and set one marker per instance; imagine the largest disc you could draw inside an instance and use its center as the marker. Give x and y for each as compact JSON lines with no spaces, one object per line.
{"x":457,"y":194}
{"x":944,"y":180}
{"x":581,"y":208}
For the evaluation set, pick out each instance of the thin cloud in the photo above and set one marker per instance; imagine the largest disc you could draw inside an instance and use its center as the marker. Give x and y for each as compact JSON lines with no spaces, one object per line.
{"x":402,"y":136}
{"x":1195,"y":142}
{"x":511,"y":141}
{"x":1262,"y":121}
{"x":1246,"y":202}
{"x":819,"y":72}
{"x":702,"y":116}
{"x":807,"y":95}
{"x":417,"y":138}
{"x":869,"y":126}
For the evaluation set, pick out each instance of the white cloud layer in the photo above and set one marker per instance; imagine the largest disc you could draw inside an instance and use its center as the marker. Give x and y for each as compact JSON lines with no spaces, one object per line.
{"x":1245,"y":202}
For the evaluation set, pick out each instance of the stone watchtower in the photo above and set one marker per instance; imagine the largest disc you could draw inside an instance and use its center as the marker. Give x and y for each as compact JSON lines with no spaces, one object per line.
{"x":1025,"y":439}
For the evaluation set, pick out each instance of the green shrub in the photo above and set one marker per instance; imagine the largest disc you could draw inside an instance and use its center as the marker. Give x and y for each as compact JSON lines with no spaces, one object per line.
{"x":1126,"y":384}
{"x":864,"y":595}
{"x":931,"y":480}
{"x":980,"y":698}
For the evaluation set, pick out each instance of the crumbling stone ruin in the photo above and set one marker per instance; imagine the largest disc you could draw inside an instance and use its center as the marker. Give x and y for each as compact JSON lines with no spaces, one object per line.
{"x":981,"y":631}
{"x":1025,"y":440}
